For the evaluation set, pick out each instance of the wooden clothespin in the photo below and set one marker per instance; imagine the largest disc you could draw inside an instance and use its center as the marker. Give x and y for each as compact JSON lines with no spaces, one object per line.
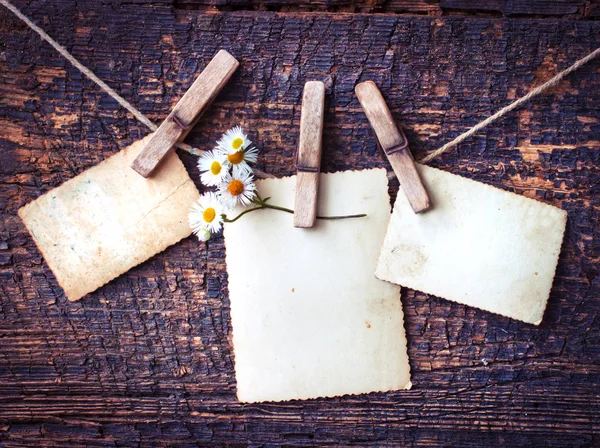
{"x":308,"y":162}
{"x":187,"y":112}
{"x":394,"y":145}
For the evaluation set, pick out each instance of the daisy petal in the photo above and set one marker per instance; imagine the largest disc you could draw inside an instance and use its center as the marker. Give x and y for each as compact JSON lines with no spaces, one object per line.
{"x":234,"y":140}
{"x":237,"y":189}
{"x":206,"y":213}
{"x":239,"y":161}
{"x":213,"y":167}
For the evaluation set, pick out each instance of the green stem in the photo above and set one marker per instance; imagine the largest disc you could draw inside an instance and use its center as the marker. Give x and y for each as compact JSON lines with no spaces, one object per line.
{"x":225,"y":219}
{"x":261,"y":204}
{"x":333,"y":218}
{"x":276,"y":207}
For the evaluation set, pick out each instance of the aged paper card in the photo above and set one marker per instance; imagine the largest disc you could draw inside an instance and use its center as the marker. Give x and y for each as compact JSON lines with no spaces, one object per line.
{"x":109,"y":219}
{"x":478,"y":245}
{"x":309,"y":317}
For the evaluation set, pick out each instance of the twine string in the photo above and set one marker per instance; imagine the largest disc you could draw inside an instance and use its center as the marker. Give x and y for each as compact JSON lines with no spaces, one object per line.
{"x":92,"y":76}
{"x":82,"y":68}
{"x":142,"y":118}
{"x":535,"y":92}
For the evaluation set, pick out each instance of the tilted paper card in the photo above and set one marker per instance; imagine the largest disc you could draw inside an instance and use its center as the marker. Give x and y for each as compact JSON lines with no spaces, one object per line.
{"x":478,"y":245}
{"x":109,"y":219}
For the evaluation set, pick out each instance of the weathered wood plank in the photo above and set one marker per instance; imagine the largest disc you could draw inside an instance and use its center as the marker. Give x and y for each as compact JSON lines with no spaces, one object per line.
{"x":572,"y":9}
{"x":147,"y":360}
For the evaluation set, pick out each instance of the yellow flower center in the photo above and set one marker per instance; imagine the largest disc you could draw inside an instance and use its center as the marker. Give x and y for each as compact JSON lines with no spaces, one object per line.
{"x":209,"y":214}
{"x":236,"y":157}
{"x":237,"y":143}
{"x":215,"y":168}
{"x":235,"y":187}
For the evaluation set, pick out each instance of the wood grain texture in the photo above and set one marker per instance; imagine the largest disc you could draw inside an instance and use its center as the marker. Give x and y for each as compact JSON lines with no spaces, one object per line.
{"x":394,"y":145}
{"x":308,"y":161}
{"x":571,"y":9}
{"x":147,"y":360}
{"x":187,"y":112}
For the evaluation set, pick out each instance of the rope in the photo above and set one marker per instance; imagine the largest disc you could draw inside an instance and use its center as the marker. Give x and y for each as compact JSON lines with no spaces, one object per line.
{"x":91,"y":75}
{"x":141,"y":117}
{"x":82,"y":68}
{"x":535,"y":92}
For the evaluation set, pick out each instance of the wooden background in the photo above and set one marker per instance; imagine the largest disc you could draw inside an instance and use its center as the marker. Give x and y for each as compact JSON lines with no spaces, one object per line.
{"x":147,"y":359}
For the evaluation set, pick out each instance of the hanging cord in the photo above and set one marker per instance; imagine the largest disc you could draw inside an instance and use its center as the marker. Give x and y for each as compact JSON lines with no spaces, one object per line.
{"x":82,"y":68}
{"x":141,"y":117}
{"x":535,"y":92}
{"x":87,"y":72}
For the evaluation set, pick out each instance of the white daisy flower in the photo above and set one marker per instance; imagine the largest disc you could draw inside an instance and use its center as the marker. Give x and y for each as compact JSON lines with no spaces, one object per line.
{"x":206,"y":214}
{"x":237,"y":189}
{"x":203,"y":235}
{"x":239,"y":160}
{"x":212,"y":166}
{"x":234,"y":140}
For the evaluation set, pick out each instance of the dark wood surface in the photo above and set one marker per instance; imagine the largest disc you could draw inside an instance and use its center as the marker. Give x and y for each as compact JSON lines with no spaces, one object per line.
{"x":147,"y":359}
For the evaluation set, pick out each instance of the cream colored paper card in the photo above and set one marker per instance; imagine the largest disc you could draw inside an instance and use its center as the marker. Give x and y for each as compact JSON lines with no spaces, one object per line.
{"x":109,"y":219}
{"x":309,"y":317}
{"x":478,"y":245}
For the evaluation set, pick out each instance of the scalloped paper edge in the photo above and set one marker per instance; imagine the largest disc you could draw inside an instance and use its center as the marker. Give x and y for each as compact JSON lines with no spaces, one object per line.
{"x":234,"y":316}
{"x":170,"y":168}
{"x":562,"y":214}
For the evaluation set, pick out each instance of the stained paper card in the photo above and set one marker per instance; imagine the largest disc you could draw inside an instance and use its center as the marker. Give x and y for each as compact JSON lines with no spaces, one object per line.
{"x":309,"y":317}
{"x":109,"y":219}
{"x":479,"y":246}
